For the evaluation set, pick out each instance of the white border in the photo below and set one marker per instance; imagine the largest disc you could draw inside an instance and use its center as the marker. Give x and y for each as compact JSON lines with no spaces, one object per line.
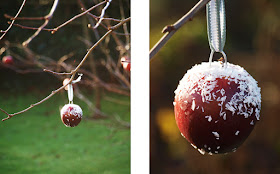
{"x":140,"y":87}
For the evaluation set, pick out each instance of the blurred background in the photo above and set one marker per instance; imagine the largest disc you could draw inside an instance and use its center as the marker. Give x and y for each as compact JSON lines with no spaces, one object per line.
{"x":253,"y":42}
{"x":37,"y":141}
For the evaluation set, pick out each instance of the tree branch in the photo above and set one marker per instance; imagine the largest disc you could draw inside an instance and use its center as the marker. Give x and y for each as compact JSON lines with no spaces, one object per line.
{"x":77,"y":16}
{"x":31,"y":28}
{"x":73,"y":73}
{"x":35,"y":104}
{"x":171,"y":29}
{"x":10,"y":26}
{"x":102,"y":14}
{"x":47,"y":19}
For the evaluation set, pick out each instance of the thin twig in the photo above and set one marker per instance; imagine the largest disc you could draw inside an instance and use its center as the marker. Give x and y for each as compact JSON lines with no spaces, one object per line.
{"x":100,"y":40}
{"x":83,"y":8}
{"x":171,"y":29}
{"x":111,"y":99}
{"x":14,"y":68}
{"x":120,"y":24}
{"x":35,"y":104}
{"x":102,"y":14}
{"x":89,"y":103}
{"x":31,"y":28}
{"x":124,"y":26}
{"x":24,"y":18}
{"x":10,"y":26}
{"x":97,"y":17}
{"x":77,"y":16}
{"x":47,"y":19}
{"x":111,"y":67}
{"x":56,"y":73}
{"x":122,"y":122}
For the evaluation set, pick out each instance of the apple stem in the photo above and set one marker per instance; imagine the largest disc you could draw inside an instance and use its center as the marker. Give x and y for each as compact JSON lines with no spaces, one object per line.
{"x":224,"y":62}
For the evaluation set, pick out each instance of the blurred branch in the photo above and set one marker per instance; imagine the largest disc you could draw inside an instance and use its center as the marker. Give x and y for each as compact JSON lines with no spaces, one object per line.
{"x":114,"y":100}
{"x":24,"y":18}
{"x":92,"y":62}
{"x":124,"y":26}
{"x":11,"y":24}
{"x":27,"y":71}
{"x":89,"y":103}
{"x":122,"y":122}
{"x":31,"y":28}
{"x":171,"y":29}
{"x":111,"y":29}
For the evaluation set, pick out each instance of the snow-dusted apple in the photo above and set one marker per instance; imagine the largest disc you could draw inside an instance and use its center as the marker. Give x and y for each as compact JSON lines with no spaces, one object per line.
{"x":71,"y":115}
{"x":126,"y":63}
{"x":8,"y":60}
{"x":217,"y":106}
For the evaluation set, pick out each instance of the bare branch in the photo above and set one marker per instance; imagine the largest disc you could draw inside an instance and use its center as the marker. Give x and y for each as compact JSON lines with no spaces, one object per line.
{"x":10,"y":26}
{"x":97,"y":17}
{"x":77,"y":16}
{"x":89,"y":103}
{"x":73,"y":73}
{"x":116,"y":101}
{"x":171,"y":29}
{"x":24,"y":18}
{"x":123,"y":123}
{"x":120,"y":24}
{"x":21,"y":71}
{"x":47,"y":19}
{"x":102,"y":14}
{"x":31,"y":28}
{"x":35,"y":104}
{"x":124,"y":26}
{"x":99,"y":41}
{"x":50,"y":71}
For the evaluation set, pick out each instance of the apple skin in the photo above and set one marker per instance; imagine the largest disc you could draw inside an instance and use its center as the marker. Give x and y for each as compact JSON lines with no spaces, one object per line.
{"x":209,"y":125}
{"x":8,"y":60}
{"x":65,"y":81}
{"x":125,"y":61}
{"x":71,"y":115}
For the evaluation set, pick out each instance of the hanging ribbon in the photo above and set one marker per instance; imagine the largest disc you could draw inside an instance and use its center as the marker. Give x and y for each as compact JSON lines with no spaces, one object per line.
{"x":70,"y":88}
{"x":216,"y":27}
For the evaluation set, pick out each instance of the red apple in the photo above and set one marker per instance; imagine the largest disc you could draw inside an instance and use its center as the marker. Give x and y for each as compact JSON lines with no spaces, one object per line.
{"x":71,"y":115}
{"x":216,"y":106}
{"x":126,"y":63}
{"x":65,"y":81}
{"x":8,"y":60}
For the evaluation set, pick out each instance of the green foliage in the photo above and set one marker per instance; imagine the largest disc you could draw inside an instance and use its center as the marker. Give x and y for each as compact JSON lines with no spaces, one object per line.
{"x":38,"y":142}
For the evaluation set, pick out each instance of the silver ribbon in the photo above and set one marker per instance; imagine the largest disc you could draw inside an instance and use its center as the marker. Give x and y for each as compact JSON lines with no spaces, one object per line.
{"x":216,"y":27}
{"x":70,"y":93}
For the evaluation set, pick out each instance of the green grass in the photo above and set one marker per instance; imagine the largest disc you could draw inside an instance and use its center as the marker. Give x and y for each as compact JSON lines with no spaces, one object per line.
{"x":38,"y":142}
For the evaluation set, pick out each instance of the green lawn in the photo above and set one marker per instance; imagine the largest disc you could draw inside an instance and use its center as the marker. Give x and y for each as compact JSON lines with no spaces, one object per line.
{"x":38,"y":142}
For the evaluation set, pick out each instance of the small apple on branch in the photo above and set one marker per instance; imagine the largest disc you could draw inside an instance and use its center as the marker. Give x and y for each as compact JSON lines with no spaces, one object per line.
{"x":8,"y":60}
